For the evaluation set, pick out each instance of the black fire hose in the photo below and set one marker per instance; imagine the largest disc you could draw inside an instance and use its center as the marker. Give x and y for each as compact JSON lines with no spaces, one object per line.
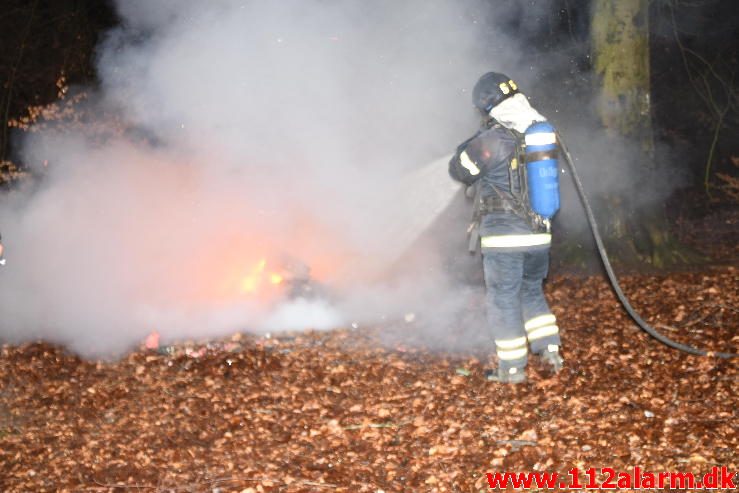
{"x":612,"y":277}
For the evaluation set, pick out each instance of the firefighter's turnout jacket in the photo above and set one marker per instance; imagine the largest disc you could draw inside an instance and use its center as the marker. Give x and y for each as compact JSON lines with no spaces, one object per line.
{"x":515,"y":247}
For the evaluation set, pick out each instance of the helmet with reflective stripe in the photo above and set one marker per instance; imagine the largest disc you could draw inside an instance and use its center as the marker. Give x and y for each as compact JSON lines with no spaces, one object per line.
{"x":491,"y":89}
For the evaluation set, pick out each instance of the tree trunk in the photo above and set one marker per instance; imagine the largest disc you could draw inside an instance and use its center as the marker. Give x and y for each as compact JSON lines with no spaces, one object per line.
{"x":620,"y":49}
{"x":620,"y":44}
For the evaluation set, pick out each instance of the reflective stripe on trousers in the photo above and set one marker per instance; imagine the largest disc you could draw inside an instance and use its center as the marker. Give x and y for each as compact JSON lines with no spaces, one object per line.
{"x":511,"y":349}
{"x":512,"y":241}
{"x":541,"y":326}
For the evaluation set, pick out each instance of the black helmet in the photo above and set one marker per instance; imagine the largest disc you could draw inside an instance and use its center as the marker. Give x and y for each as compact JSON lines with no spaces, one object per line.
{"x":491,"y":89}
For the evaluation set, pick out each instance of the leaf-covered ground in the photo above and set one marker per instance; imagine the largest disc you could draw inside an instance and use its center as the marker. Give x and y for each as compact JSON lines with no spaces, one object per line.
{"x":343,"y":411}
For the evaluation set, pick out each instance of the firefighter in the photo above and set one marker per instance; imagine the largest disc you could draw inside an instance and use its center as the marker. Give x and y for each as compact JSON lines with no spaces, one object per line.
{"x":513,"y":240}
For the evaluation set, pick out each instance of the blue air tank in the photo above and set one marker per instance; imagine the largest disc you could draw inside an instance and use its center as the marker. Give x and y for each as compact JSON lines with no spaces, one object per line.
{"x":542,"y":170}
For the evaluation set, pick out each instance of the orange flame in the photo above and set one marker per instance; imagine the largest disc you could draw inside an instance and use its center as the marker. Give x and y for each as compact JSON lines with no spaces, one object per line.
{"x":252,"y":282}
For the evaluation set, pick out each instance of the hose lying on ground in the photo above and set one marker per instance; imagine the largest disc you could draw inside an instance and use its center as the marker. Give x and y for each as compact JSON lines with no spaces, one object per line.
{"x":612,"y":277}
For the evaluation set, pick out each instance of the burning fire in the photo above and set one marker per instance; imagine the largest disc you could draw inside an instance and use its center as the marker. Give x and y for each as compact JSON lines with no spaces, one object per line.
{"x":239,"y":269}
{"x":258,"y":277}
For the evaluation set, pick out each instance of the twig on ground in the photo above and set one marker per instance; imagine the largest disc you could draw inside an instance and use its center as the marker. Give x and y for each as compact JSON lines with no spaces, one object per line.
{"x":698,"y":320}
{"x":271,"y":480}
{"x":376,"y":425}
{"x":667,"y":327}
{"x":517,"y":443}
{"x":304,"y":482}
{"x":125,"y":486}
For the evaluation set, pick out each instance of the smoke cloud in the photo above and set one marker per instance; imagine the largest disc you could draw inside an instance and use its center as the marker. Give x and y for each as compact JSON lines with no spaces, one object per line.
{"x":252,"y":132}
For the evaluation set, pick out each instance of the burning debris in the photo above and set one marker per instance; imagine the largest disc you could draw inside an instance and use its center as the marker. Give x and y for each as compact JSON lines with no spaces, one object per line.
{"x":284,"y":291}
{"x":286,"y":279}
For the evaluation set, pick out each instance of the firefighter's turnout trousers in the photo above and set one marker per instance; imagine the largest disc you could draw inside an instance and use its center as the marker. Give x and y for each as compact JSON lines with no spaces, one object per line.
{"x":515,"y":266}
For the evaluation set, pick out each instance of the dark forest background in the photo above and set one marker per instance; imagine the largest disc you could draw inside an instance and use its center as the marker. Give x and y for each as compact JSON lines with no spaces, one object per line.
{"x":48,"y":46}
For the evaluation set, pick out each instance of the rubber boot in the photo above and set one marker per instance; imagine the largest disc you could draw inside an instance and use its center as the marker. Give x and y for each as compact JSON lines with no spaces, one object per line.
{"x":511,"y":375}
{"x":551,"y":357}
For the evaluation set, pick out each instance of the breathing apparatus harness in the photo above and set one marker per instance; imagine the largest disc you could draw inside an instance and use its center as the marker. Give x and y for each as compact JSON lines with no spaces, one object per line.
{"x":524,"y":198}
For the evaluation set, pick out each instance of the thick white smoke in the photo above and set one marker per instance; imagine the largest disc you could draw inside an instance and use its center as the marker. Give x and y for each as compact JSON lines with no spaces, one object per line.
{"x":253,"y":130}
